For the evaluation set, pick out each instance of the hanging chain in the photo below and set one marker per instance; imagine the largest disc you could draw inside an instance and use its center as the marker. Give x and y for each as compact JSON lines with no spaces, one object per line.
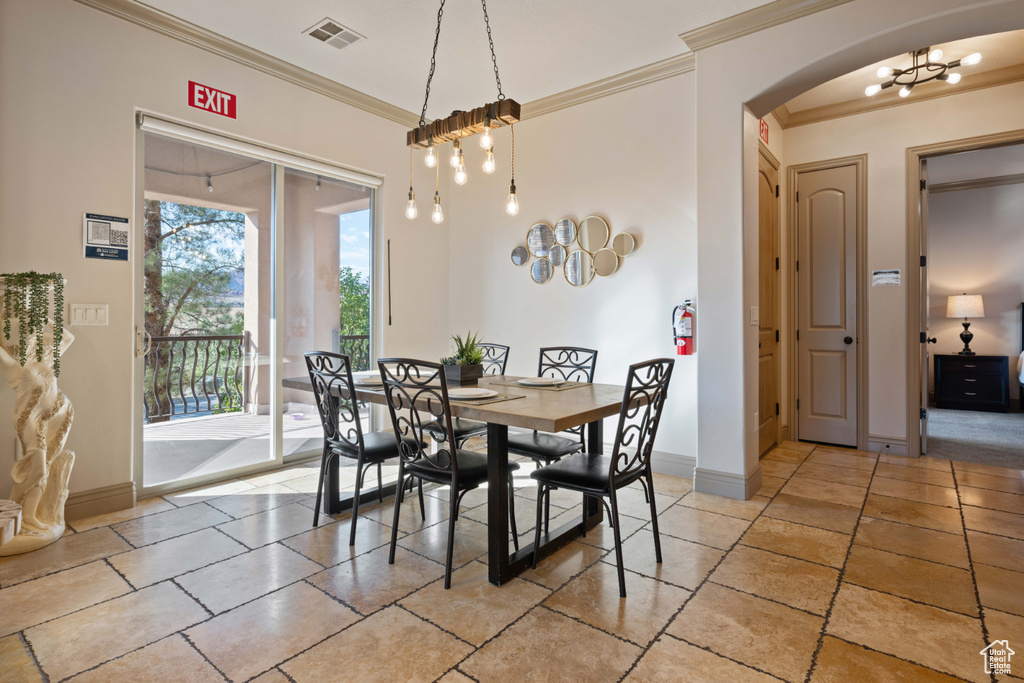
{"x":494,"y":59}
{"x":433,"y":59}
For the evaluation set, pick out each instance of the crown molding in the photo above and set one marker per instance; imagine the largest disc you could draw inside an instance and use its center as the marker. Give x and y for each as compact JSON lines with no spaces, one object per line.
{"x":754,"y":20}
{"x":651,"y":73}
{"x":987,"y":79}
{"x":196,"y":36}
{"x":976,"y":183}
{"x":782,"y":116}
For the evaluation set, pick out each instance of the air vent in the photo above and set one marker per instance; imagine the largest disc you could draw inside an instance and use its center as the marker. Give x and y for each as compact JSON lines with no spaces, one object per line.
{"x":333,"y":33}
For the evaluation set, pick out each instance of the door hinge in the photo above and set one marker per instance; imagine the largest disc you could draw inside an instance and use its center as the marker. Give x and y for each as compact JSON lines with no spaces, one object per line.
{"x":776,"y":408}
{"x":798,"y":404}
{"x":924,"y":414}
{"x":776,"y":336}
{"x":798,"y":335}
{"x":776,"y":190}
{"x":924,"y":184}
{"x":798,"y":266}
{"x":924,"y":338}
{"x":798,"y":195}
{"x":924,"y":261}
{"x":776,"y":263}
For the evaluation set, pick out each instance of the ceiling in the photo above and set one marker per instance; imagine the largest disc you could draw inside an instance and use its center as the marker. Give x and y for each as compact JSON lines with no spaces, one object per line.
{"x":543,"y":47}
{"x":999,"y":51}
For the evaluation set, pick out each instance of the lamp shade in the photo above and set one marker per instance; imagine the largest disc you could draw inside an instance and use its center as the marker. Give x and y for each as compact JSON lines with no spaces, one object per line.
{"x":965,"y":306}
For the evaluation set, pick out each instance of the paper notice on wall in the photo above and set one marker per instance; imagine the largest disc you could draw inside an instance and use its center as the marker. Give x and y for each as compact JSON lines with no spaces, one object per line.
{"x":885,"y":278}
{"x":105,"y":237}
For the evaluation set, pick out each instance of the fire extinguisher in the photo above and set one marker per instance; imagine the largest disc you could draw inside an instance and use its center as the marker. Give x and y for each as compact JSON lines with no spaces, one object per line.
{"x":682,"y":327}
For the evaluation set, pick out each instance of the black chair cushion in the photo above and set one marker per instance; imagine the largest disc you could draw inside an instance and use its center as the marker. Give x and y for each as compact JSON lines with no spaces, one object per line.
{"x":582,"y":471}
{"x":377,"y":447}
{"x":541,"y":444}
{"x":467,"y":428}
{"x":472,"y":470}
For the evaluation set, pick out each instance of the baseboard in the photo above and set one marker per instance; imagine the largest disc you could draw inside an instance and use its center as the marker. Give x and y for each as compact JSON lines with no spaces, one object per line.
{"x":727,"y":484}
{"x":99,"y":501}
{"x":889,"y":445}
{"x":784,"y":433}
{"x":673,"y":464}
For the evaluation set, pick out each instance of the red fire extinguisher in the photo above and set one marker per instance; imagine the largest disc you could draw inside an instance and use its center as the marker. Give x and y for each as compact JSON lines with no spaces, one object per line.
{"x":682,"y":327}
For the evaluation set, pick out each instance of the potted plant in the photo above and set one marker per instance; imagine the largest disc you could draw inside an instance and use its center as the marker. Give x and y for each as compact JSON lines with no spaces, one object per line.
{"x":466,"y":366}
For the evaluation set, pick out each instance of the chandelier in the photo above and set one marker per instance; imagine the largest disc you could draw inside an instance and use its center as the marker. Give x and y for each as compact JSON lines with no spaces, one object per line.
{"x":458,"y":126}
{"x":927,"y":67}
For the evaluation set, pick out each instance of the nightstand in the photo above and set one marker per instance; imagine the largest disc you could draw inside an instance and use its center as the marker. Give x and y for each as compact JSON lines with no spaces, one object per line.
{"x":972,"y":382}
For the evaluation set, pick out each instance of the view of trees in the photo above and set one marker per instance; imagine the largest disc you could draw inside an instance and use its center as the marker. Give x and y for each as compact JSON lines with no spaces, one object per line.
{"x":355,"y":302}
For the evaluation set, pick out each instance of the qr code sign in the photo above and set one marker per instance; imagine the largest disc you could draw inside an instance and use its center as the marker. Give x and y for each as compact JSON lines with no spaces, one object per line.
{"x":119,"y":238}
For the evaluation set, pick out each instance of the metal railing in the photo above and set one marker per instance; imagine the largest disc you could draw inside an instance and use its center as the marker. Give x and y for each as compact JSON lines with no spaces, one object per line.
{"x":357,"y":348}
{"x":196,"y":374}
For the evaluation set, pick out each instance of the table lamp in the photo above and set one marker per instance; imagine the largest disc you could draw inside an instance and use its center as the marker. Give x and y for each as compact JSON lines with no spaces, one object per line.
{"x":965,"y":306}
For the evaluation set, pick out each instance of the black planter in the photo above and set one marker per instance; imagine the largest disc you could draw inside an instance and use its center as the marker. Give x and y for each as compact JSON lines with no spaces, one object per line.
{"x":460,"y":375}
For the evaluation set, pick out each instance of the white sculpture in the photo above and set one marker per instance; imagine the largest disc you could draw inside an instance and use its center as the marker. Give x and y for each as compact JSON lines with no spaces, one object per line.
{"x":42,"y":419}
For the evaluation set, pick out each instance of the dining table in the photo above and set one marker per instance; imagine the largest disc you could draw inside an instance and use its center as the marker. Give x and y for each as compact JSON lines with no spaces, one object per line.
{"x":547,"y":409}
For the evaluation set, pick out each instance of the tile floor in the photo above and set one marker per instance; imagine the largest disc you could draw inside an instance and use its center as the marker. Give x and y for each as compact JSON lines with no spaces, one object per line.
{"x":847,"y":566}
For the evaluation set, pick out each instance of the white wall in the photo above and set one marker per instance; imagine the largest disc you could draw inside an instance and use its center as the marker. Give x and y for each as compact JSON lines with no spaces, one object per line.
{"x":602,"y":157}
{"x":67,"y":131}
{"x":884,"y":135}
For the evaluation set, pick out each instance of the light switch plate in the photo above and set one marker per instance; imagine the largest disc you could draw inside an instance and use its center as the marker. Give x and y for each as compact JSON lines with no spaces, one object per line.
{"x":755,"y":317}
{"x":89,"y":314}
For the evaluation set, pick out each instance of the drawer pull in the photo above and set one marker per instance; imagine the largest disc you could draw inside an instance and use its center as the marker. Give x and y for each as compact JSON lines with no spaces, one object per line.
{"x":968,"y":379}
{"x":970,"y":393}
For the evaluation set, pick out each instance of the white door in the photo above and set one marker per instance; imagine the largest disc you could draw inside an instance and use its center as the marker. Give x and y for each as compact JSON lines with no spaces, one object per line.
{"x":827,"y":206}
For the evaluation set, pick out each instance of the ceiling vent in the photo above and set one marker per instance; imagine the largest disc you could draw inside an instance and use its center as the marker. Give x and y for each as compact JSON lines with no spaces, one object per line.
{"x":333,"y":33}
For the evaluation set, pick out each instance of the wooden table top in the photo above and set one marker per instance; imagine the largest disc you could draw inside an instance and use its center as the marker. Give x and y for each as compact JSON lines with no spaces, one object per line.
{"x":540,"y":409}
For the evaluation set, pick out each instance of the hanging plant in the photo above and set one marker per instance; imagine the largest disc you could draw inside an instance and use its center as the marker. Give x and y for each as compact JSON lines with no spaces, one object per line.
{"x":27,"y":300}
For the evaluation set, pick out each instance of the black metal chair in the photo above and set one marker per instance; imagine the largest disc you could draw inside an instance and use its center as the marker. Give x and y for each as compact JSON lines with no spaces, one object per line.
{"x":495,"y":360}
{"x":572,"y":364}
{"x":417,"y":397}
{"x":331,"y":376}
{"x":601,"y":476}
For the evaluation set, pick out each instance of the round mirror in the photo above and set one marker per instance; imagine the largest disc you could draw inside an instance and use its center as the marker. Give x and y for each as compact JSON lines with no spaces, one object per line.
{"x":579,"y":268}
{"x":557,"y":254}
{"x":565,"y":232}
{"x":541,"y":271}
{"x":593,"y":234}
{"x":520,"y":255}
{"x":623,"y":244}
{"x":540,"y":239}
{"x":605,"y":262}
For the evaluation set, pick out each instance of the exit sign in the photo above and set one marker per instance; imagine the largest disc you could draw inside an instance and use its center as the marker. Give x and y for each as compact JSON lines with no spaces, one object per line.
{"x":212,"y":100}
{"x":764,"y":131}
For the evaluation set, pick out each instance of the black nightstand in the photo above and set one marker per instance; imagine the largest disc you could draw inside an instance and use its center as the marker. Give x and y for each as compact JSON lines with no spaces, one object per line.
{"x":972,"y":382}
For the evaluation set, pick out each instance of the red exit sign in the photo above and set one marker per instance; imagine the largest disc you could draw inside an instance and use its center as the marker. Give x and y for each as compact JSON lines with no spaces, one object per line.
{"x":764,"y":131}
{"x":212,"y":100}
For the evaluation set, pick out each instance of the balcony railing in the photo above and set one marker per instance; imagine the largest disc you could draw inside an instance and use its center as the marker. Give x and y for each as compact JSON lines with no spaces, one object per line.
{"x":196,"y":374}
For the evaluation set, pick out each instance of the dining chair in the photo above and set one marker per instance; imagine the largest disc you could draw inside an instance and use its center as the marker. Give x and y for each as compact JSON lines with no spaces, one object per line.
{"x":417,"y":396}
{"x":495,"y":360}
{"x":572,"y":364}
{"x":334,"y":391}
{"x":601,"y":476}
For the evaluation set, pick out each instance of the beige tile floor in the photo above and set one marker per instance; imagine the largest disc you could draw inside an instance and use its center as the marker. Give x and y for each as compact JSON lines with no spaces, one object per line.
{"x":846,"y":566}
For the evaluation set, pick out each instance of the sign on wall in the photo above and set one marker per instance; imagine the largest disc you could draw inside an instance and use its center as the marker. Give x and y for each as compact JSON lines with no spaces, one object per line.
{"x":764,"y":130}
{"x":105,"y":237}
{"x":212,"y":100}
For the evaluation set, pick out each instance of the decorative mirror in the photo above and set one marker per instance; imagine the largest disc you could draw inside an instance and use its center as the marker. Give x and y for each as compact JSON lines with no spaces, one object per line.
{"x":558,"y":253}
{"x":579,"y":268}
{"x":520,"y":255}
{"x":593,"y":234}
{"x":541,"y":271}
{"x":540,"y":239}
{"x":565,"y":232}
{"x":623,"y":244}
{"x":606,"y":262}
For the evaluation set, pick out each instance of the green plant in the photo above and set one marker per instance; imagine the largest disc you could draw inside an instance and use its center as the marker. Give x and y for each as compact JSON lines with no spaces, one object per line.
{"x":467,"y":351}
{"x":26,"y":298}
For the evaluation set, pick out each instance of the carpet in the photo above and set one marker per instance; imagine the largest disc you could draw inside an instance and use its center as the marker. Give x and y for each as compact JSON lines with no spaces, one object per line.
{"x":968,"y":436}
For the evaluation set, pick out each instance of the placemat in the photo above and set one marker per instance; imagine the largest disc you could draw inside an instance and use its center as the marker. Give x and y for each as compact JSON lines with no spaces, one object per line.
{"x":560,"y":387}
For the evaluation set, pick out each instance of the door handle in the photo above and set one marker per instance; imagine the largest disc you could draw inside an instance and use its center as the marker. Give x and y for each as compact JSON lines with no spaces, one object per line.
{"x":932,"y":340}
{"x":848,"y":340}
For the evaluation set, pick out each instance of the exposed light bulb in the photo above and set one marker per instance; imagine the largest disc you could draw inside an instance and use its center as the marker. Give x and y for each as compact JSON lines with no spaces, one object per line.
{"x":884,"y":72}
{"x":209,"y":184}
{"x":953,"y":79}
{"x":485,"y":140}
{"x":935,"y":55}
{"x":970,"y":59}
{"x":460,"y":171}
{"x":512,"y":206}
{"x":431,"y":159}
{"x":410,"y":209}
{"x":489,"y":161}
{"x":872,"y":90}
{"x":905,"y":90}
{"x":456,"y":151}
{"x":437,"y":215}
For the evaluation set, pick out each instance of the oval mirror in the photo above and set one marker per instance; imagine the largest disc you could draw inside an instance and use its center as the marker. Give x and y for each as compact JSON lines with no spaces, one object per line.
{"x":623,"y":244}
{"x":579,"y":268}
{"x":593,"y":234}
{"x":540,"y":239}
{"x":520,"y":255}
{"x":557,"y":254}
{"x":606,"y":262}
{"x":541,"y":271}
{"x":565,"y":232}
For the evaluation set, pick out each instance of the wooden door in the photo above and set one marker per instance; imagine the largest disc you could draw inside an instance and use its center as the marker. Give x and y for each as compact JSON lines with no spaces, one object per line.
{"x":827,"y":206}
{"x":923,"y":207}
{"x":769,"y":308}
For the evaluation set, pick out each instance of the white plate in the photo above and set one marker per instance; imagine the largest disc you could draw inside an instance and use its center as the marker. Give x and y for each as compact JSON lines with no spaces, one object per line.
{"x":370,"y":380}
{"x":540,"y":381}
{"x":468,"y":393}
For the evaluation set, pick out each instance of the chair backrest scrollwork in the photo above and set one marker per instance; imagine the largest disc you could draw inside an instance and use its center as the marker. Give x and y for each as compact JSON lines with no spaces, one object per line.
{"x":417,"y":396}
{"x":495,"y":358}
{"x":642,"y":405}
{"x":331,"y":376}
{"x":571,"y":363}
